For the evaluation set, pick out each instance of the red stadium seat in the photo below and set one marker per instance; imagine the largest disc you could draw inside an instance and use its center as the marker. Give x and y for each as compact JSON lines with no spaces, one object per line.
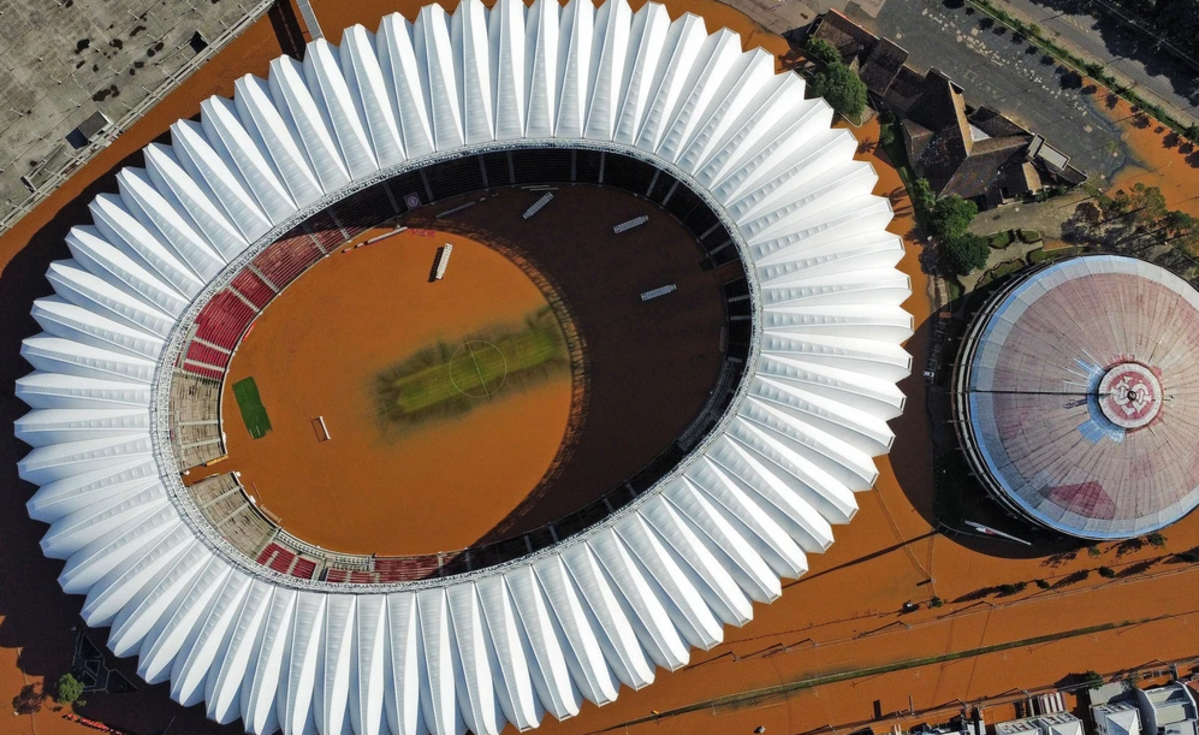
{"x":283,"y":261}
{"x":248,"y":284}
{"x":197,"y":352}
{"x":223,"y":320}
{"x":304,"y":568}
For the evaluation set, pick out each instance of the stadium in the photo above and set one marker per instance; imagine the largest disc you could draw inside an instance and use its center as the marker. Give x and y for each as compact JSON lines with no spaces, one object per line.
{"x":1073,"y":397}
{"x":681,"y":452}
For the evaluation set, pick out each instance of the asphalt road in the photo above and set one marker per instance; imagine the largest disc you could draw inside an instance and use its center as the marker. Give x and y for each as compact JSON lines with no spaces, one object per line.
{"x":1007,"y":73}
{"x":1125,"y":49}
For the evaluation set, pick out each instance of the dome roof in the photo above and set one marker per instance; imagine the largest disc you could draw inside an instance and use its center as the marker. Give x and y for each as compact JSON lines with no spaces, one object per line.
{"x":1080,"y":397}
{"x":600,"y":609}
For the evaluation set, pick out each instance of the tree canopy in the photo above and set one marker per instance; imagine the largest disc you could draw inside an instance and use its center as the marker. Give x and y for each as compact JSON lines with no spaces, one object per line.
{"x":951,"y":215}
{"x":965,"y":252}
{"x":822,"y":51}
{"x":70,"y":689}
{"x":840,"y":87}
{"x":948,"y":219}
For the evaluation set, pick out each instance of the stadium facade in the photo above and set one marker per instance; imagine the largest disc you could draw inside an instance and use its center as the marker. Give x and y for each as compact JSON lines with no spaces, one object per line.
{"x":540,"y":633}
{"x":1075,"y":397}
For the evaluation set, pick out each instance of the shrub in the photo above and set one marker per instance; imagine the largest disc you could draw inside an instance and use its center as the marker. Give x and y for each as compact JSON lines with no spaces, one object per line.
{"x":1042,"y":584}
{"x":840,"y":87}
{"x":1093,"y":551}
{"x":936,"y":602}
{"x":965,"y":253}
{"x":1156,"y":540}
{"x":886,"y":134}
{"x":822,"y":51}
{"x":70,"y":689}
{"x":1106,"y":572}
{"x":1008,"y":589}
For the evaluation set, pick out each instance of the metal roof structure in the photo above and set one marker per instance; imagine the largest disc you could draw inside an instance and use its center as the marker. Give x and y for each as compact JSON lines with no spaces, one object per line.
{"x":603,"y":608}
{"x":1077,"y":397}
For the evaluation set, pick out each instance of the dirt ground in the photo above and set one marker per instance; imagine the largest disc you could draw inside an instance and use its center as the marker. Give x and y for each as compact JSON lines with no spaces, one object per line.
{"x":316,"y":350}
{"x":844,"y":615}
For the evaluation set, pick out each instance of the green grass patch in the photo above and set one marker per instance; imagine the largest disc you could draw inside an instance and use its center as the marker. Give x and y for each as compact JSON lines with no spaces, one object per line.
{"x":258,"y":423}
{"x":1030,"y":236}
{"x":452,"y":378}
{"x":1000,"y":240}
{"x":1004,"y":269}
{"x":1042,"y":255}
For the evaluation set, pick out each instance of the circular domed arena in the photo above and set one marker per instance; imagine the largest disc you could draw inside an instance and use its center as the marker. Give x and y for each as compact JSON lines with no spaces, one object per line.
{"x":1076,"y":397}
{"x":470,"y":370}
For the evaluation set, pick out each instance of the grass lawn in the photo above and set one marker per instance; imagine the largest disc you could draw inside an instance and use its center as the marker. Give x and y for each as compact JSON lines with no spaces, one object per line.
{"x":450,"y":378}
{"x":477,"y":368}
{"x":252,"y":410}
{"x":1040,"y":256}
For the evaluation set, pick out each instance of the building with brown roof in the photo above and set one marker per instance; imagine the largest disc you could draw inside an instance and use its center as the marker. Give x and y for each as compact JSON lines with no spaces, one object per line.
{"x":980,"y":155}
{"x":955,"y":152}
{"x":850,"y":39}
{"x":882,"y":65}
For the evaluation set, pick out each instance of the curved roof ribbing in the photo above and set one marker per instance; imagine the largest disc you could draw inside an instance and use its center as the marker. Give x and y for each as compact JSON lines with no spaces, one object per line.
{"x":605,"y":607}
{"x":1078,"y":397}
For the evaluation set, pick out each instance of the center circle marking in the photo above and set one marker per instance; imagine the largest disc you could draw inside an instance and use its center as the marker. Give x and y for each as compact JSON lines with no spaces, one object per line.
{"x":465,"y":365}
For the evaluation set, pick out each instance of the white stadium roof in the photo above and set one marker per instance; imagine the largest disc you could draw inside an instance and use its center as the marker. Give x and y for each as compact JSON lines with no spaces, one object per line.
{"x":603,"y":608}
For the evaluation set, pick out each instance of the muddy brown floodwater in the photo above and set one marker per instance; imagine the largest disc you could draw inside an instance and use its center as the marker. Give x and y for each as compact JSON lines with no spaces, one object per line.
{"x":518,"y":460}
{"x":315,"y":352}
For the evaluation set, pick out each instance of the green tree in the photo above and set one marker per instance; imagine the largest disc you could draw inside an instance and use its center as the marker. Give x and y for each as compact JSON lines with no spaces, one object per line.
{"x":1182,"y":228}
{"x":1192,"y":133}
{"x":936,"y":602}
{"x":1157,"y":540}
{"x":840,"y":87}
{"x":965,"y":252}
{"x":822,"y":51}
{"x":1092,"y":680}
{"x":1041,"y":584}
{"x":1149,"y":204}
{"x":70,"y":689}
{"x":923,"y":197}
{"x":1106,"y":572}
{"x":952,"y":215}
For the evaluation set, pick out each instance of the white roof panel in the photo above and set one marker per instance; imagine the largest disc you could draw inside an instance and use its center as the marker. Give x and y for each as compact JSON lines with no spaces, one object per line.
{"x":602,"y":608}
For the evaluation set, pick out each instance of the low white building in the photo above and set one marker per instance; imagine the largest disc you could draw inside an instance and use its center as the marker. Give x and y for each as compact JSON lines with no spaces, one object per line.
{"x":1059,"y":723}
{"x":1117,"y":719}
{"x":1167,"y":710}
